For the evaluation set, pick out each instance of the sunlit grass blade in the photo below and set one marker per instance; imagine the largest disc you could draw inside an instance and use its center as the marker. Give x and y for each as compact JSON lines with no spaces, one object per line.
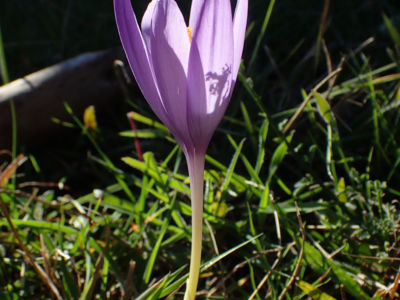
{"x":153,"y":255}
{"x":314,"y":291}
{"x":247,"y":164}
{"x":321,"y":264}
{"x":394,"y":34}
{"x":262,"y":138}
{"x":42,"y":225}
{"x":232,"y":165}
{"x":144,"y":133}
{"x":277,"y":158}
{"x":172,"y":287}
{"x":248,"y":123}
{"x":157,"y":175}
{"x":160,"y":285}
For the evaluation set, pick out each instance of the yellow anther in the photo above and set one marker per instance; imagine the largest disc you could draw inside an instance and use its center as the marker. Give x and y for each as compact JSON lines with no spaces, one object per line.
{"x":189,"y":30}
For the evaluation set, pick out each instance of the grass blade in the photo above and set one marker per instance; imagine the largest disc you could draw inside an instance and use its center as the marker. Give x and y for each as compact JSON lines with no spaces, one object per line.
{"x":153,"y":255}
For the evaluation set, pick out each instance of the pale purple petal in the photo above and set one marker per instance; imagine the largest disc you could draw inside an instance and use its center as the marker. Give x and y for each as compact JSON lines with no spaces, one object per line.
{"x":239,"y":31}
{"x":146,"y":24}
{"x":201,"y":129}
{"x":195,"y":12}
{"x":171,"y":25}
{"x":213,"y":35}
{"x":170,"y":53}
{"x":210,"y":67}
{"x":137,"y":55}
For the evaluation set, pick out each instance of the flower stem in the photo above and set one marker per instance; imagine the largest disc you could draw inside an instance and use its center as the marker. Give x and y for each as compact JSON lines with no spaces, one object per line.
{"x":195,"y":162}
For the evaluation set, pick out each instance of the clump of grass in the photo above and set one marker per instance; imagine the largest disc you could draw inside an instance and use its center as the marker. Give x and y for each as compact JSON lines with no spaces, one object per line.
{"x":300,"y":198}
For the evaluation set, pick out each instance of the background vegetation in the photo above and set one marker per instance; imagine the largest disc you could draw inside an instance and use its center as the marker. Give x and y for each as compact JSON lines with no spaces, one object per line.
{"x":302,"y":180}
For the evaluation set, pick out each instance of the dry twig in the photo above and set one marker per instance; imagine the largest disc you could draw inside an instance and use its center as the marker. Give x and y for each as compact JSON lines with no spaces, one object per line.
{"x":297,"y":268}
{"x":277,"y":260}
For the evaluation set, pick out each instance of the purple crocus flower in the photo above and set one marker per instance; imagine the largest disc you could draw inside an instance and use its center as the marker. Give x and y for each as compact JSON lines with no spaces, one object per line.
{"x":187,"y":75}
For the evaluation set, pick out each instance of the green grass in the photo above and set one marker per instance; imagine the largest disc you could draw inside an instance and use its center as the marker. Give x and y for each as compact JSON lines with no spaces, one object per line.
{"x":301,"y":183}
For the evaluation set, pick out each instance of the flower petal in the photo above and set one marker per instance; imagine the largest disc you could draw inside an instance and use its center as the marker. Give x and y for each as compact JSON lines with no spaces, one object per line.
{"x":201,"y":129}
{"x":213,"y":34}
{"x":210,"y":65}
{"x":195,"y":12}
{"x":239,"y":31}
{"x":146,"y":24}
{"x":170,"y":54}
{"x":137,"y":55}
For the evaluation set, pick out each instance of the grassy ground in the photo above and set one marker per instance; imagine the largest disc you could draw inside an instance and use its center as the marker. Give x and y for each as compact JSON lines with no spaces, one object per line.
{"x":302,"y":180}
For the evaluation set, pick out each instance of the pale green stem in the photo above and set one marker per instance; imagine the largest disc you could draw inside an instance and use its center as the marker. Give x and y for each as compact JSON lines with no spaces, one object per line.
{"x":195,"y":162}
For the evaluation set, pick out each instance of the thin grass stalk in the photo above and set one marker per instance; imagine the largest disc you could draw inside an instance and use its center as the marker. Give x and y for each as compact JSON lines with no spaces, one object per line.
{"x":6,"y":79}
{"x":3,"y":65}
